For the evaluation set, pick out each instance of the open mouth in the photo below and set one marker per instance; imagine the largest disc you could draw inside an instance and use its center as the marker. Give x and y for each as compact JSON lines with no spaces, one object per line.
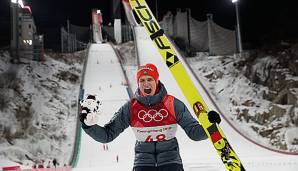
{"x":147,"y":90}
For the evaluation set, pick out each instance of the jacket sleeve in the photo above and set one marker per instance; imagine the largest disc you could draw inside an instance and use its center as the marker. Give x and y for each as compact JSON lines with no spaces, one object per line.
{"x":113,"y":128}
{"x":191,"y":126}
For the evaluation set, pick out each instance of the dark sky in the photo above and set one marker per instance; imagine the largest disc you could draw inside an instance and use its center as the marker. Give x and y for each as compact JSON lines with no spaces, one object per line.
{"x":257,"y":17}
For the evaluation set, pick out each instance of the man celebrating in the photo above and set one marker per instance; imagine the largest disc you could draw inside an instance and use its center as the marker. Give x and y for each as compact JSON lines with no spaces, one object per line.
{"x":154,"y":116}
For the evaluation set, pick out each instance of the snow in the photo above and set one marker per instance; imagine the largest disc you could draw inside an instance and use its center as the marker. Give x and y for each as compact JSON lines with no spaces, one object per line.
{"x":235,"y":93}
{"x":54,"y":109}
{"x":39,"y":110}
{"x":291,"y":138}
{"x":103,"y":70}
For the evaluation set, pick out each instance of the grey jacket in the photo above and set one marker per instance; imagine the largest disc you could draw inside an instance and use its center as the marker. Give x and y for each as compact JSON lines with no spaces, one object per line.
{"x":150,"y":153}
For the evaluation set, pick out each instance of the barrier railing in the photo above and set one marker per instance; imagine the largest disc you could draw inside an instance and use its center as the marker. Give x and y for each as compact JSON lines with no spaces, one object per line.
{"x":18,"y":168}
{"x":11,"y":168}
{"x":49,"y":169}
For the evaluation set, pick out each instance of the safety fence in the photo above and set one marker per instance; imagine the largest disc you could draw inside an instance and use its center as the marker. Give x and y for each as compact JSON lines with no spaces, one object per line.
{"x":70,"y":42}
{"x":109,"y":33}
{"x":199,"y":36}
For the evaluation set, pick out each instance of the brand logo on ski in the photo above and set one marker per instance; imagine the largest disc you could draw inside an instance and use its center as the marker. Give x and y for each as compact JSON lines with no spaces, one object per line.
{"x":151,"y":25}
{"x":222,"y":145}
{"x":171,"y":59}
{"x":198,"y":108}
{"x":160,"y":32}
{"x":228,"y":156}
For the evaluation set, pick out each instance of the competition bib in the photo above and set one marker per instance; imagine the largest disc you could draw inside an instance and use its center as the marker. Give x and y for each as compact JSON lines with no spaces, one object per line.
{"x":154,"y":123}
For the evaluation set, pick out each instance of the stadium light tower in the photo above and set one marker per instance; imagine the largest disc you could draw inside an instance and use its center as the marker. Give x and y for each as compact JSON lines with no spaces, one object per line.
{"x":238,"y":25}
{"x":14,"y":18}
{"x":20,"y":2}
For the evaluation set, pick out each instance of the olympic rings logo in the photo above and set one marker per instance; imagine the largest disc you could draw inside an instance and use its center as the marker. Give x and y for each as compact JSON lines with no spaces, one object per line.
{"x":153,"y":114}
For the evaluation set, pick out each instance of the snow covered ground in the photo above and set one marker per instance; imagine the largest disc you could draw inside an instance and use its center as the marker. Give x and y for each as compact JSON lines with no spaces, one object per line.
{"x":233,"y":92}
{"x":38,"y":108}
{"x":105,"y":78}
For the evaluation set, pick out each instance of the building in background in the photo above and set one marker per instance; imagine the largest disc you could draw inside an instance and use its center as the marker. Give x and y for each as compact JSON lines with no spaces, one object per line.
{"x":25,"y":42}
{"x":27,"y":32}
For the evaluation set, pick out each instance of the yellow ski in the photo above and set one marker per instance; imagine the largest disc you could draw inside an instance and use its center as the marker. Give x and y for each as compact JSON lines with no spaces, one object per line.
{"x":215,"y":134}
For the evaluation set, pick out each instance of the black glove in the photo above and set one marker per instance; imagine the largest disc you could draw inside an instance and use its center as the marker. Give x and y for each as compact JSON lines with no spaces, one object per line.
{"x":213,"y":117}
{"x":83,"y":116}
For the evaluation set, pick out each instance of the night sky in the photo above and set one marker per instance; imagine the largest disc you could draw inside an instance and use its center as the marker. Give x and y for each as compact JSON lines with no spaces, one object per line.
{"x":258,"y":18}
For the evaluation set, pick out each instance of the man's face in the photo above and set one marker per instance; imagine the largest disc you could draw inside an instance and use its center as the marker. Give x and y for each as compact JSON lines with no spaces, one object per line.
{"x":147,"y":85}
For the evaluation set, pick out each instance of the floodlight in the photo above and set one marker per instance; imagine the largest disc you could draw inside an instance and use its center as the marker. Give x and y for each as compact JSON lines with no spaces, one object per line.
{"x":20,"y":2}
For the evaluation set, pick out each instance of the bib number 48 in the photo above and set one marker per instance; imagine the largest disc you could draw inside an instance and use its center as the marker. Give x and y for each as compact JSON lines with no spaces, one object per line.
{"x":160,"y":137}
